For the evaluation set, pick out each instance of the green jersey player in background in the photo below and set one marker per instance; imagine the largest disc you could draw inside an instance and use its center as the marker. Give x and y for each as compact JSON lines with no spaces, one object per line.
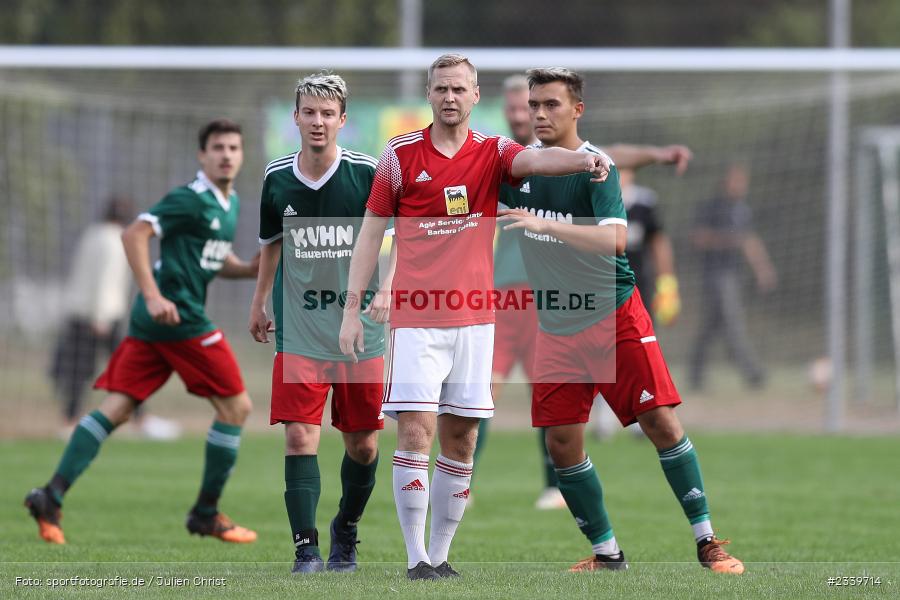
{"x":312,"y":203}
{"x":169,"y":331}
{"x":573,"y":238}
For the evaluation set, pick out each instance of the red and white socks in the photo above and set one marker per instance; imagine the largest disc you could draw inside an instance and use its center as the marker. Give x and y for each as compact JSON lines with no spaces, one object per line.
{"x":449,"y":491}
{"x":411,"y":499}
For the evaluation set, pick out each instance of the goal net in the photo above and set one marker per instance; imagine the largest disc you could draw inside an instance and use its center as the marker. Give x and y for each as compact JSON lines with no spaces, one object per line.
{"x":72,"y":138}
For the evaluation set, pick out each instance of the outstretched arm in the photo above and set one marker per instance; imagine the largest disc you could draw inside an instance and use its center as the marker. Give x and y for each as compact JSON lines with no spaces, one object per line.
{"x":608,"y":240}
{"x":136,"y":240}
{"x":631,"y":156}
{"x":559,"y":161}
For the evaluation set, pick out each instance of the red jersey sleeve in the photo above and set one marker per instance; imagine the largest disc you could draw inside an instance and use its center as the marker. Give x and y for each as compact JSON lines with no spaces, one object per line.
{"x":387,"y":185}
{"x":508,"y":150}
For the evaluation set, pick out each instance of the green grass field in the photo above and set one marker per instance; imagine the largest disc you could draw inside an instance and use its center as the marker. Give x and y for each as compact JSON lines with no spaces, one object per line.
{"x":799,"y":510}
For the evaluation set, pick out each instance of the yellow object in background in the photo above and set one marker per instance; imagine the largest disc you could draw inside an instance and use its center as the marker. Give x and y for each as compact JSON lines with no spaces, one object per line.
{"x":666,"y":302}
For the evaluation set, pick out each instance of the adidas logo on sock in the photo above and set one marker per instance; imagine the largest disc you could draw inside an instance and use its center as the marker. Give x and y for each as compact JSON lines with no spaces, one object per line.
{"x":423,"y":176}
{"x":692,"y":495}
{"x":463,"y":494}
{"x":413,"y":486}
{"x":289,"y":211}
{"x":580,"y":522}
{"x":646,"y":396}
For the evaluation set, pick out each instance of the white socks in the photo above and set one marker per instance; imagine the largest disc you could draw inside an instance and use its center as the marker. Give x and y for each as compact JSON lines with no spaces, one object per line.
{"x":411,"y":499}
{"x":449,"y":493}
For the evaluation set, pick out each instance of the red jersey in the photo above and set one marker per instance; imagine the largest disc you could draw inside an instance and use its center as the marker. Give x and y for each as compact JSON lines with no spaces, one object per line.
{"x":445,"y":210}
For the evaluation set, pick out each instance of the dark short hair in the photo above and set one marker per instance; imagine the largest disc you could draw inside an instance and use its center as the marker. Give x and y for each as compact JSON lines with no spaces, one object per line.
{"x":574,"y":82}
{"x":119,"y":209}
{"x":217,"y":126}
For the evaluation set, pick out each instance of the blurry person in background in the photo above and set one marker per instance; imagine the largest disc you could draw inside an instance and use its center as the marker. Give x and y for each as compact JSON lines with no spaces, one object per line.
{"x":96,"y":301}
{"x":724,"y":238}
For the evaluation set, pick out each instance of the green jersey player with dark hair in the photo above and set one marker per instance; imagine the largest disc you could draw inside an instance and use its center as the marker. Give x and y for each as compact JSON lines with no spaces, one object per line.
{"x":573,"y":239}
{"x":169,"y":331}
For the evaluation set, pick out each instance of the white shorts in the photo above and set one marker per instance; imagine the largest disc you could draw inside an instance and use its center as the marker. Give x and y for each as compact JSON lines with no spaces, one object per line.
{"x":442,"y":370}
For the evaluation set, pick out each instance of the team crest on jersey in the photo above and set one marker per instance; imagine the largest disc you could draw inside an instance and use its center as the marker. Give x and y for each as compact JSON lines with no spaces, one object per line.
{"x":457,"y":200}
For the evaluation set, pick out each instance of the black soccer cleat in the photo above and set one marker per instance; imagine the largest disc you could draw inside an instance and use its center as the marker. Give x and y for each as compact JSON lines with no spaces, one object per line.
{"x":342,"y":556}
{"x":422,"y":571}
{"x":445,"y":570}
{"x":47,"y":513}
{"x":307,"y":562}
{"x":601,"y":562}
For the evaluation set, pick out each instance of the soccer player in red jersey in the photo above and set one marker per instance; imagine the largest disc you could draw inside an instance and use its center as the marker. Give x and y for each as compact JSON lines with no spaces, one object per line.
{"x":441,"y":184}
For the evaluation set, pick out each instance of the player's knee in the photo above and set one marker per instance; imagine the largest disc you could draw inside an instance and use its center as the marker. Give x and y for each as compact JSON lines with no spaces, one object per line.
{"x":363,"y":449}
{"x":565,"y":449}
{"x":235,"y":409}
{"x":300,"y":438}
{"x":118,"y":408}
{"x":662,"y":426}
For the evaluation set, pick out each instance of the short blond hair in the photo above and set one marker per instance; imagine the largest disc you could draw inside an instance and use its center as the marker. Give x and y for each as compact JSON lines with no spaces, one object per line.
{"x":323,"y":85}
{"x":574,"y":82}
{"x":451,"y":60}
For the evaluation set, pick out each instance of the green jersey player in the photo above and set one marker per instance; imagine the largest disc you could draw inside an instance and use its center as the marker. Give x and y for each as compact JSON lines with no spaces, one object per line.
{"x":312,"y":203}
{"x":573,"y":239}
{"x":169,"y":331}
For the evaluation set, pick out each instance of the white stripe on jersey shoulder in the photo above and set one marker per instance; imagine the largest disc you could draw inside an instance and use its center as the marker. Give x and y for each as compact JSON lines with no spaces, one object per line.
{"x":407,"y":143}
{"x":280,"y":163}
{"x":358,"y":158}
{"x":355,"y":154}
{"x":589,"y":147}
{"x":408,"y":138}
{"x":271,"y":240}
{"x":480,"y":137}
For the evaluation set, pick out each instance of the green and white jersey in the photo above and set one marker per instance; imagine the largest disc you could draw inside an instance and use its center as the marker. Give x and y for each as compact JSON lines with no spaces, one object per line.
{"x":555,"y":267}
{"x":195,"y":224}
{"x":508,"y":266}
{"x":318,"y":222}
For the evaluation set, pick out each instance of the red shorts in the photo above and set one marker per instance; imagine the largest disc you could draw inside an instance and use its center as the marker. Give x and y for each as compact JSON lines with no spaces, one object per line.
{"x":514,"y":336}
{"x":300,"y":386}
{"x":571,"y":370}
{"x":205,"y":364}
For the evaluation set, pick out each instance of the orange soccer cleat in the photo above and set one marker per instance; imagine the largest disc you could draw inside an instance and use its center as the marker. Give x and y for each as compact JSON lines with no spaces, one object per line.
{"x":600,"y":563}
{"x":711,"y":556}
{"x":219,"y":526}
{"x":47,"y":514}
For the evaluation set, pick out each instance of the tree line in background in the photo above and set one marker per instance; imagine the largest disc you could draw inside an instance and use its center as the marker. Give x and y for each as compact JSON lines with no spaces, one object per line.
{"x":461,"y":23}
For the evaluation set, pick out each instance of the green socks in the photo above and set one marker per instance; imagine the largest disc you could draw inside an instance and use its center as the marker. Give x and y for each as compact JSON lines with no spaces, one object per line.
{"x":357,"y":483}
{"x":550,"y":478}
{"x":580,"y":486}
{"x":83,"y":446}
{"x":301,"y":495}
{"x":222,"y":442}
{"x":682,"y":470}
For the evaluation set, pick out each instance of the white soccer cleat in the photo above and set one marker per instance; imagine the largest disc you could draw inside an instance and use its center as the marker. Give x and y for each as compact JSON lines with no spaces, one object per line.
{"x":550,"y":499}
